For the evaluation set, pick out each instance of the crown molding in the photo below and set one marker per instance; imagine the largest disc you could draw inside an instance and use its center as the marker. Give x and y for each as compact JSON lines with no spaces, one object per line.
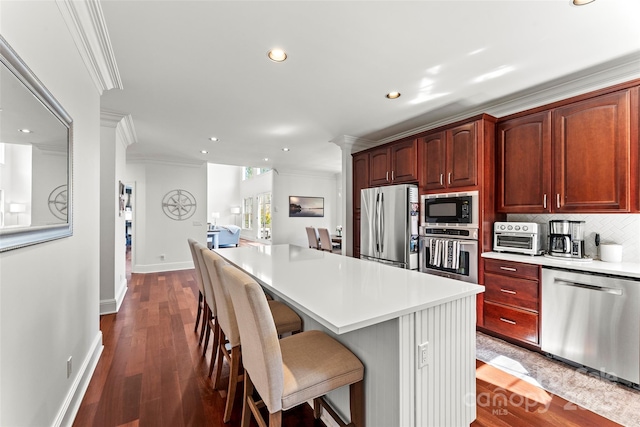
{"x":353,"y":144}
{"x":88,"y":29}
{"x":292,"y":173}
{"x":123,"y":123}
{"x":163,"y":161}
{"x":617,"y":71}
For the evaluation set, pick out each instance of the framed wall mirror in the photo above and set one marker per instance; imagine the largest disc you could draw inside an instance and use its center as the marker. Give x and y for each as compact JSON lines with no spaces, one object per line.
{"x":35,"y":158}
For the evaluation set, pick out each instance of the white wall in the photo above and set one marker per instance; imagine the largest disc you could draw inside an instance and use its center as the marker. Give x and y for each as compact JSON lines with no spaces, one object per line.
{"x":223,"y":192}
{"x":113,"y":280}
{"x":155,"y":235}
{"x":49,"y":292}
{"x":292,"y":230}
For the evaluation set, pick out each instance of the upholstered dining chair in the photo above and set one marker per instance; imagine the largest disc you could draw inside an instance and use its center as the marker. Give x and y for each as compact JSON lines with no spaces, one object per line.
{"x":285,"y":318}
{"x":292,"y":370}
{"x":325,"y":240}
{"x":211,"y":318}
{"x":312,"y":237}
{"x":201,"y":303}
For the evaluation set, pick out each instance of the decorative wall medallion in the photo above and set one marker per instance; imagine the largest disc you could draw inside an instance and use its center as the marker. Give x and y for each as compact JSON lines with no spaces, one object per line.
{"x":58,"y":202}
{"x":179,"y":205}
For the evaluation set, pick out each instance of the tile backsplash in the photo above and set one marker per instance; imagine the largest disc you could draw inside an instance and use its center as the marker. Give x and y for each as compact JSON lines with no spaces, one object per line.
{"x":623,"y":229}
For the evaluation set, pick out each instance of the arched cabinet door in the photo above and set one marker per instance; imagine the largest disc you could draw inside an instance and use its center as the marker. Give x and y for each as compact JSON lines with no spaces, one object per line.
{"x":523,"y":170}
{"x":591,"y":154}
{"x":462,"y":149}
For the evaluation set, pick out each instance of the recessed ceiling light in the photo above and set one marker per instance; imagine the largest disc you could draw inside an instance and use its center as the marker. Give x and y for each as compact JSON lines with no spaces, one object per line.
{"x":203,"y":151}
{"x":277,"y":55}
{"x":25,"y":130}
{"x":393,"y":95}
{"x":582,"y":2}
{"x":266,"y":159}
{"x":214,"y":139}
{"x":286,"y":149}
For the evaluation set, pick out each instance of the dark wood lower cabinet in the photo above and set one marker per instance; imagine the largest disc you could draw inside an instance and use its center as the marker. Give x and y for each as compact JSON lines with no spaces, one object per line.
{"x":511,"y":301}
{"x":512,"y":322}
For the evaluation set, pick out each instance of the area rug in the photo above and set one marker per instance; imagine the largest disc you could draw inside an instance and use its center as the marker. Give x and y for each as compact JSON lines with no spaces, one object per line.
{"x":614,"y":401}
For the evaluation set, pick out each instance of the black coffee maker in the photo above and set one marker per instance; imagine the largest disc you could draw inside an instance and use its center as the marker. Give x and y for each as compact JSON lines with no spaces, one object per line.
{"x":566,"y":238}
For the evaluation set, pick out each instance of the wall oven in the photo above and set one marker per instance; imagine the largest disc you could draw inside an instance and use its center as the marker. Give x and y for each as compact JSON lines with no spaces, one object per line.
{"x":449,"y":252}
{"x":450,"y":209}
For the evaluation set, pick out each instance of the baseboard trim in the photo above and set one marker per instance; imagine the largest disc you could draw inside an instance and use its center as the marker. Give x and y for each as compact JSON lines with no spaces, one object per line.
{"x":156,"y":268}
{"x":110,"y":306}
{"x":71,"y":404}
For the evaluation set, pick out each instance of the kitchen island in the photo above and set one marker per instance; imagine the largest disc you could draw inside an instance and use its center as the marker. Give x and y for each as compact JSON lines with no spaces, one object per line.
{"x":414,"y":333}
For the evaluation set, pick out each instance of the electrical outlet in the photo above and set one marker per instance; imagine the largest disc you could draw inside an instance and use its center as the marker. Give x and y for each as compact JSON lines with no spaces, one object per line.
{"x":161,"y":257}
{"x":423,"y":355}
{"x":197,"y":224}
{"x":69,"y":366}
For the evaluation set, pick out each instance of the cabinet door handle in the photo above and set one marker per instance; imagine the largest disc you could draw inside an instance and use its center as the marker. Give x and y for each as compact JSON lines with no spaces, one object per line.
{"x":387,"y":178}
{"x":508,"y":268}
{"x":392,"y":176}
{"x":507,"y":291}
{"x":511,"y":322}
{"x":544,"y":201}
{"x":440,"y":179}
{"x":558,"y":200}
{"x":449,"y":179}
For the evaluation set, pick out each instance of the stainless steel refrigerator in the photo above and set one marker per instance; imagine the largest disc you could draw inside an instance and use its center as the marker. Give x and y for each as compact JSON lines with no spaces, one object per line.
{"x":389,"y":225}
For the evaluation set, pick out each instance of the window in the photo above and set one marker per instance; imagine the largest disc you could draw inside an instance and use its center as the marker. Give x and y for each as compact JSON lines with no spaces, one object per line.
{"x":247,"y":212}
{"x":249,"y":172}
{"x":264,"y":215}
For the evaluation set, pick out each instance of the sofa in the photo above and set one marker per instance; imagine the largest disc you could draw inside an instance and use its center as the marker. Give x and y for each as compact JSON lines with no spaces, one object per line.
{"x":229,"y":235}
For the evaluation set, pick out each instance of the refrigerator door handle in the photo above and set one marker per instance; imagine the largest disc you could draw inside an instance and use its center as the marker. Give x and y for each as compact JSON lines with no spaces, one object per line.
{"x":382,"y":228}
{"x":375,"y":222}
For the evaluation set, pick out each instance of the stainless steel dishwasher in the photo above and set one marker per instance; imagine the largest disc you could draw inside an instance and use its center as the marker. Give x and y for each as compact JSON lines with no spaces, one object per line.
{"x":592,"y":320}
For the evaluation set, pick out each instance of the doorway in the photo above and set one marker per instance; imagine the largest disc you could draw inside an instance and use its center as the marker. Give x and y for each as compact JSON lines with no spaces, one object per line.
{"x":264,"y":216}
{"x":128,"y":228}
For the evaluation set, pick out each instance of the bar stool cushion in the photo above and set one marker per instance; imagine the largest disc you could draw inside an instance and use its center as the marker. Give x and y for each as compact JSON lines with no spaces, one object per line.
{"x":310,"y":374}
{"x":286,"y":319}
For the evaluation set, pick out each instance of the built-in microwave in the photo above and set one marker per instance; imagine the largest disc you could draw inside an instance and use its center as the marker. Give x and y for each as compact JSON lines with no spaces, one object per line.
{"x":450,"y":209}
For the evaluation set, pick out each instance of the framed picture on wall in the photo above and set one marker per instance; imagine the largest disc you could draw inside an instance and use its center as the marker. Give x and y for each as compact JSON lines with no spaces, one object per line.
{"x":304,"y":207}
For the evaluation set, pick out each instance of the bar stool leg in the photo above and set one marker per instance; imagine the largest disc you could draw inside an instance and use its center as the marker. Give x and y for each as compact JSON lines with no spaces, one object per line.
{"x":233,"y":382}
{"x":195,"y":329}
{"x":205,"y":311}
{"x":356,"y":404}
{"x":216,"y":343}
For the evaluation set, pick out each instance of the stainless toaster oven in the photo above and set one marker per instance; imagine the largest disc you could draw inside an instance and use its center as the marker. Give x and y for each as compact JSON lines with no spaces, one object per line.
{"x":527,"y":238}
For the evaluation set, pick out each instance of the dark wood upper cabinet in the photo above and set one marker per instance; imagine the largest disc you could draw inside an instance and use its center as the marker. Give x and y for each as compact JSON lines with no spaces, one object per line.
{"x":404,"y":162}
{"x":591,"y":153}
{"x":575,"y":157}
{"x":395,"y":164}
{"x":449,"y":158}
{"x":379,"y":167}
{"x":433,"y":161}
{"x":524,"y":164}
{"x":462,"y":149}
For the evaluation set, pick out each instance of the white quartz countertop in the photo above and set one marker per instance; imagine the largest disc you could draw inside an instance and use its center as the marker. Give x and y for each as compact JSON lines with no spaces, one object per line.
{"x":343,"y":293}
{"x":627,"y":269}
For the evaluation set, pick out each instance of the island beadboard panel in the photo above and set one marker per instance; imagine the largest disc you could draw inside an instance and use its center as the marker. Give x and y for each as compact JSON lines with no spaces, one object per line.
{"x":623,"y":229}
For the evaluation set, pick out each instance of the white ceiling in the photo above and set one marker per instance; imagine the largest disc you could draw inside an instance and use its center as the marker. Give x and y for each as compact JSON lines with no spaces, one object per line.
{"x":195,"y":69}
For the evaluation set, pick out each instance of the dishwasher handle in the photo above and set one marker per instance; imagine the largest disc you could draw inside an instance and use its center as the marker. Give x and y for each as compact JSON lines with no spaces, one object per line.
{"x":604,"y":289}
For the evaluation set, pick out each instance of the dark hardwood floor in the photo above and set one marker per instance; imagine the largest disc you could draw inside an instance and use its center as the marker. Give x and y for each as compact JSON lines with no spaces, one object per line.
{"x":504,"y":400}
{"x":152,"y":373}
